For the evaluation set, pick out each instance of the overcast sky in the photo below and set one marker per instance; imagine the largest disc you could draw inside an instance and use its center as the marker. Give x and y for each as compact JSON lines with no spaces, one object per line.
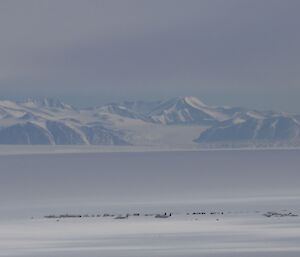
{"x":234,"y":52}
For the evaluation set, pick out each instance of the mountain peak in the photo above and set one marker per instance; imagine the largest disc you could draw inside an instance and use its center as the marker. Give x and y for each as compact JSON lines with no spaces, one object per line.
{"x":185,"y":110}
{"x":194,"y":101}
{"x":51,"y":103}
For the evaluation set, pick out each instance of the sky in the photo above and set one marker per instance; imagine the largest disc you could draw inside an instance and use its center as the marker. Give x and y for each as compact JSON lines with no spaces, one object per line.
{"x":233,"y":52}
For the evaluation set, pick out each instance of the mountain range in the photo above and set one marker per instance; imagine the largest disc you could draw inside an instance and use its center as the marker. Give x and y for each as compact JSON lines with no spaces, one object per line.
{"x":180,"y":121}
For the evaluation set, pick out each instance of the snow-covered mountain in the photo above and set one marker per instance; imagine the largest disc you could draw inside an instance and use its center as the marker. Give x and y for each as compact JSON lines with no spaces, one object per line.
{"x":122,"y":110}
{"x":253,"y":128}
{"x":49,"y":121}
{"x":173,"y":122}
{"x":186,"y":110}
{"x":47,"y":103}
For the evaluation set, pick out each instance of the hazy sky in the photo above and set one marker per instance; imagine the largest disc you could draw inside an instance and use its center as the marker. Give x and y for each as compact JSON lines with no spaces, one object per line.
{"x":235,"y":52}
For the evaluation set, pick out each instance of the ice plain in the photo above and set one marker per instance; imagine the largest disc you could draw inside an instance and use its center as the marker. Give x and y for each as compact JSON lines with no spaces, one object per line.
{"x":243,"y":184}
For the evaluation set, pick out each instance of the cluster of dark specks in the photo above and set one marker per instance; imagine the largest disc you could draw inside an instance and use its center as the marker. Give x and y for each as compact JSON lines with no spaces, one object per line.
{"x":126,"y":216}
{"x":205,"y":213}
{"x":161,"y":215}
{"x":270,"y":214}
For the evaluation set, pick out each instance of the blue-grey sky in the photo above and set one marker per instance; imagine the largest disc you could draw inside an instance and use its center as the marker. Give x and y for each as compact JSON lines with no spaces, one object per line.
{"x":234,"y":52}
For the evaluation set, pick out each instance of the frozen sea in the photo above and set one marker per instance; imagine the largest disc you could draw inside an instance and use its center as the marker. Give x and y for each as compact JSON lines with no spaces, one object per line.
{"x":236,"y":186}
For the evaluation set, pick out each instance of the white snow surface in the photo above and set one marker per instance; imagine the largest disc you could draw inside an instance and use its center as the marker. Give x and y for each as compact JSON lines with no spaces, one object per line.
{"x":242,"y":184}
{"x":232,"y":235}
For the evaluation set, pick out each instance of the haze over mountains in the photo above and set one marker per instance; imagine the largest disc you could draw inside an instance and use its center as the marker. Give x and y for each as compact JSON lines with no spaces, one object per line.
{"x":181,"y":121}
